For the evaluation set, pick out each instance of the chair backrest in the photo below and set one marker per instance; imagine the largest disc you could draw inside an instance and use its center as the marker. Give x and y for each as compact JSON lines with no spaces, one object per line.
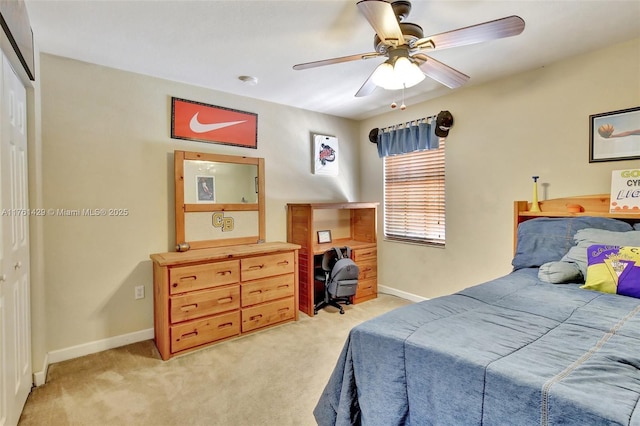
{"x":331,"y":256}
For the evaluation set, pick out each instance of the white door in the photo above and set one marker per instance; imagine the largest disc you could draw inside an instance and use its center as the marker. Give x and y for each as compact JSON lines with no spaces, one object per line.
{"x":15,"y":327}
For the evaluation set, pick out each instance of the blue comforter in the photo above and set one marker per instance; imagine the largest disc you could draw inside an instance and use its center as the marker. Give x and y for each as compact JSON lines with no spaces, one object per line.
{"x":513,"y":351}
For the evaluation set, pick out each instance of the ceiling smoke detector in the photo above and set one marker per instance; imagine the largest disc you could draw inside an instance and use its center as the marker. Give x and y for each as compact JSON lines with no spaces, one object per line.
{"x":248,"y":80}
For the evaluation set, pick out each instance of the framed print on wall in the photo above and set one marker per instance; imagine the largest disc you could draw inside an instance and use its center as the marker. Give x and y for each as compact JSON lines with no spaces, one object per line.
{"x":196,"y":121}
{"x":614,"y":135}
{"x":325,"y":155}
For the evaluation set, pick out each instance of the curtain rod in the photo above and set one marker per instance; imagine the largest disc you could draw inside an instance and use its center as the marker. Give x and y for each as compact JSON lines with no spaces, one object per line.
{"x":407,"y":123}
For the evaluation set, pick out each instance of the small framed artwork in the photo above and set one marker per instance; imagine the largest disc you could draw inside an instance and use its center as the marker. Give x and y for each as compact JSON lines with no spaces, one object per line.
{"x":196,"y":121}
{"x":205,"y":189}
{"x":614,"y":135}
{"x":325,"y":155}
{"x":324,"y":237}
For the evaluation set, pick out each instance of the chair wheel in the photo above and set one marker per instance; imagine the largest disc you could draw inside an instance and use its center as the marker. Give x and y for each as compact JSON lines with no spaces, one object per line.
{"x":315,"y":312}
{"x":341,"y":311}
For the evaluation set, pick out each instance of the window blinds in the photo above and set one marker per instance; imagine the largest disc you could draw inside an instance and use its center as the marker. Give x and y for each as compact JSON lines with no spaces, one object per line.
{"x":414,"y":196}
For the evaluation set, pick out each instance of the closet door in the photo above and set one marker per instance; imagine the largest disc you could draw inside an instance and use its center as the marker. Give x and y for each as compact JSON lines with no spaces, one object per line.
{"x":15,"y":328}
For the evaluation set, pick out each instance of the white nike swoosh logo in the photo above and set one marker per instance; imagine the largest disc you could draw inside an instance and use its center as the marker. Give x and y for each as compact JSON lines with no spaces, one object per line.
{"x":198,"y":127}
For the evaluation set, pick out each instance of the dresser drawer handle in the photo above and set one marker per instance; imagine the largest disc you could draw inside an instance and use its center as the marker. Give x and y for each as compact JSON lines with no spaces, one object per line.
{"x":225,"y":300}
{"x":255,"y":317}
{"x":189,"y":278}
{"x":227,"y":272}
{"x":284,"y":262}
{"x":256,"y":267}
{"x":366,"y":253}
{"x":225,"y":325}
{"x":283,"y":286}
{"x":282,"y":310}
{"x":255,"y":292}
{"x":367,"y":269}
{"x":187,"y":308}
{"x":189,"y":335}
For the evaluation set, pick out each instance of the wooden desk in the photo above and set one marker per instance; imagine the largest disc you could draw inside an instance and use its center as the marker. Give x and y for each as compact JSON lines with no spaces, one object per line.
{"x":352,"y":225}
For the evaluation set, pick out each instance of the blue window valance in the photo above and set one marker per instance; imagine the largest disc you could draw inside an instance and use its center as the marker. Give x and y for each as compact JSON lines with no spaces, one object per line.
{"x":406,"y":138}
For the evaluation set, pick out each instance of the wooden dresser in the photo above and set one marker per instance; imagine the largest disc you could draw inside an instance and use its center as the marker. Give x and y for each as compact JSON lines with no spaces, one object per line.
{"x":208,"y":295}
{"x":350,"y":224}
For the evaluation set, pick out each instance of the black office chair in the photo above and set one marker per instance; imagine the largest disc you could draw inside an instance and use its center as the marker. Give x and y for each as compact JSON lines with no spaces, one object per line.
{"x":340,"y":278}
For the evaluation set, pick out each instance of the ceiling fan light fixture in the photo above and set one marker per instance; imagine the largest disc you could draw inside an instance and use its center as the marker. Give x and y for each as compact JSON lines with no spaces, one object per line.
{"x":401,"y":74}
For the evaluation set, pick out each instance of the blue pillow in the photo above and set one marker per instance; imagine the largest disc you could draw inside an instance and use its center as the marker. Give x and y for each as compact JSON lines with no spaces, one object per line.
{"x":545,"y":239}
{"x":637,"y":226}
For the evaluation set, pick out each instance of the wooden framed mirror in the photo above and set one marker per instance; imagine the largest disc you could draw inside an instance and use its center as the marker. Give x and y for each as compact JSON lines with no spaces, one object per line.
{"x":219,"y":200}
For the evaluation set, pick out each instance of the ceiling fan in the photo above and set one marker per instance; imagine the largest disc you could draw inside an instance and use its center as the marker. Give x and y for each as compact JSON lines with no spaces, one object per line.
{"x":404,"y":45}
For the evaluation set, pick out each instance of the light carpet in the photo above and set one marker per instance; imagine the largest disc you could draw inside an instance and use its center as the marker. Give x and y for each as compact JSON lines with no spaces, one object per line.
{"x":273,"y":377}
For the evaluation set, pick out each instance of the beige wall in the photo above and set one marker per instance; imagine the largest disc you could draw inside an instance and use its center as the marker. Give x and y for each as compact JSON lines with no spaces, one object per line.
{"x":536,"y":123}
{"x":106,"y":144}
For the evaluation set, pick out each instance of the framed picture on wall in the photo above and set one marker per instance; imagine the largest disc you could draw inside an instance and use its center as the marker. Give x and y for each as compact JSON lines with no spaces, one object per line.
{"x":205,"y":189}
{"x":325,"y":155}
{"x":197,"y":121}
{"x":614,"y":135}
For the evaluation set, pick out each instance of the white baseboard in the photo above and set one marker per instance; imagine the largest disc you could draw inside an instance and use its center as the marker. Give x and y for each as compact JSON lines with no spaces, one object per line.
{"x":403,"y":294}
{"x":39,"y":378}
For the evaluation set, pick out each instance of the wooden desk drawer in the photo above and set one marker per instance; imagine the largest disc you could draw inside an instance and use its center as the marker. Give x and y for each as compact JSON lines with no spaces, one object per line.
{"x":366,"y":288}
{"x":364,"y":254}
{"x":197,"y":277}
{"x":266,"y":266}
{"x":267,"y":313}
{"x":368,"y":269}
{"x":206,"y":302}
{"x":259,"y":291}
{"x":199,"y":332}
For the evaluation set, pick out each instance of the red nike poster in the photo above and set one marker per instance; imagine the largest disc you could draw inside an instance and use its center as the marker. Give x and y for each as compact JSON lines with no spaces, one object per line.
{"x":196,"y":121}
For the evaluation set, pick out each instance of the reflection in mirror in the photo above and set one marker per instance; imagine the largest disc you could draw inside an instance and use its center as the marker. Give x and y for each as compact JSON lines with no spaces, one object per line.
{"x":215,"y":182}
{"x":219,"y":200}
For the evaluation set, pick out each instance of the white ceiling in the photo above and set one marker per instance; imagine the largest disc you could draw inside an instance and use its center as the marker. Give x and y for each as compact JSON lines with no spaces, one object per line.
{"x":211,"y":43}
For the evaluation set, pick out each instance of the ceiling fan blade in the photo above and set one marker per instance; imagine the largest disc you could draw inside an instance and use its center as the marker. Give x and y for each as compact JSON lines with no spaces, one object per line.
{"x":367,"y":88}
{"x":336,"y":60}
{"x":440,"y":72}
{"x":380,"y":15}
{"x":500,"y":28}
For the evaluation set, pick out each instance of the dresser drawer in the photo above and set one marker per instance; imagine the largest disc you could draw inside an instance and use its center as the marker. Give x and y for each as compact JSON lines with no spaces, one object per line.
{"x":267,"y":313}
{"x":205,"y":302}
{"x":364,"y":254}
{"x":197,"y":277}
{"x":266,"y":266}
{"x":199,"y":332}
{"x":258,"y":291}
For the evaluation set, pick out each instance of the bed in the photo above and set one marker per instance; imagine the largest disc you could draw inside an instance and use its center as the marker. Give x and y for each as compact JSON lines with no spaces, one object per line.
{"x":532,"y":347}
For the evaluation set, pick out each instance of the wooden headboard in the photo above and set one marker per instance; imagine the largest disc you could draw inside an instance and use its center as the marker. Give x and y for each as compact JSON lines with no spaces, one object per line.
{"x":583,"y":205}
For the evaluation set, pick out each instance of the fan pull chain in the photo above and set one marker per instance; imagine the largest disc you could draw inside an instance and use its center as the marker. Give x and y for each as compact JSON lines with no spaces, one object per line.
{"x":402,"y":106}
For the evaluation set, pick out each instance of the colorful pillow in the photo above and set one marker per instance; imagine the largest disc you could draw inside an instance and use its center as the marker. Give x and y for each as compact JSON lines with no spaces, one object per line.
{"x":613,"y":269}
{"x":590,"y":236}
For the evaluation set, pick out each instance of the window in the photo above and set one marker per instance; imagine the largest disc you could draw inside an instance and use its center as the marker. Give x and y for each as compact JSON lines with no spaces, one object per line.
{"x":414,"y":197}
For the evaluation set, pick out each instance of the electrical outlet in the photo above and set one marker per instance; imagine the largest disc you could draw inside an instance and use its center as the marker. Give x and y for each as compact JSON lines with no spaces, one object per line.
{"x":139,"y":294}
